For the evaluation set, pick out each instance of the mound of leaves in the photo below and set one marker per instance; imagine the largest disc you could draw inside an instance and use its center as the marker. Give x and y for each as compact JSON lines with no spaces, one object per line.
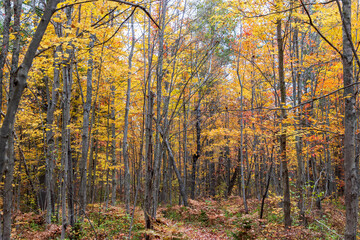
{"x":32,"y":226}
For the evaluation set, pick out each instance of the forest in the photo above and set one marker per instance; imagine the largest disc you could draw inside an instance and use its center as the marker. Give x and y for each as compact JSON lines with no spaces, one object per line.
{"x":179,"y":119}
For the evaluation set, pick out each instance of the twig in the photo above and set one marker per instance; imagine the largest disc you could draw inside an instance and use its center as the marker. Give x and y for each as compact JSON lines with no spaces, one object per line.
{"x":117,"y":30}
{"x":338,"y":235}
{"x":90,"y":223}
{"x":318,"y":31}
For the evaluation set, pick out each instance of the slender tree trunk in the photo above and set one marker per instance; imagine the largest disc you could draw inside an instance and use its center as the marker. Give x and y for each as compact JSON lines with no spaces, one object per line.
{"x":185,"y":143}
{"x":8,"y":192}
{"x":351,"y":178}
{"x":5,"y":46}
{"x":113,"y":148}
{"x":241,"y":149}
{"x":67,"y":82}
{"x":71,"y":211}
{"x":126,"y":124}
{"x":178,"y":175}
{"x":198,"y":149}
{"x":85,"y":130}
{"x":285,"y":171}
{"x":50,"y":159}
{"x":21,"y":78}
{"x":159,"y":80}
{"x":9,"y":171}
{"x":149,"y":163}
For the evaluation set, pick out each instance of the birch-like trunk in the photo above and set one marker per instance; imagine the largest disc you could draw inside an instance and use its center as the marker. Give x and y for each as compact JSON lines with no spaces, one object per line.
{"x":126,"y":124}
{"x":50,"y":159}
{"x":159,"y":79}
{"x":85,"y":130}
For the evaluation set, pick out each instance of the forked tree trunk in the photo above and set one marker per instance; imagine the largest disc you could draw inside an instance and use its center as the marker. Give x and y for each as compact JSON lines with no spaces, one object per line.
{"x":21,"y":78}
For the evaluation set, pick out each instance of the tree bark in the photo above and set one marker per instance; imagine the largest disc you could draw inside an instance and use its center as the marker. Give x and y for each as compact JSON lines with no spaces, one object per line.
{"x":126,"y":124}
{"x":50,"y":159}
{"x":67,"y":82}
{"x":159,"y":79}
{"x":149,"y":163}
{"x":9,"y":172}
{"x":196,"y":156}
{"x":285,"y":171}
{"x":85,"y":130}
{"x":20,"y":82}
{"x":351,"y":178}
{"x":178,"y":175}
{"x":5,"y":46}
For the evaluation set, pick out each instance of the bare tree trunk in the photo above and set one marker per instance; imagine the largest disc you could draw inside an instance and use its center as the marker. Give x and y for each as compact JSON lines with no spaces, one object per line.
{"x":159,"y":79}
{"x":178,"y":175}
{"x":297,"y":94}
{"x":198,"y":149}
{"x":185,"y":143}
{"x":93,"y":141}
{"x":71,"y":211}
{"x":9,"y":171}
{"x":67,"y":81}
{"x":149,"y":163}
{"x":149,"y":171}
{"x":241,"y":149}
{"x":5,"y":47}
{"x":85,"y":130}
{"x":126,"y":125}
{"x":8,"y":192}
{"x":285,"y":172}
{"x":21,"y":78}
{"x":50,"y":159}
{"x":113,"y":147}
{"x":351,"y":169}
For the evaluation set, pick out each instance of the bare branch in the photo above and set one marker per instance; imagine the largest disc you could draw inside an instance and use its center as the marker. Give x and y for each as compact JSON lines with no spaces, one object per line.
{"x":318,"y":31}
{"x":348,"y":35}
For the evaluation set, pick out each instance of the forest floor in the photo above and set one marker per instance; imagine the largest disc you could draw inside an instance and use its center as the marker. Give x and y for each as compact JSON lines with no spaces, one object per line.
{"x":203,"y":219}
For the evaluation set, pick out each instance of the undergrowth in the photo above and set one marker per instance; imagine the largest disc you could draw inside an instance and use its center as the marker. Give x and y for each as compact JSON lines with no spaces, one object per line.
{"x":203,"y":219}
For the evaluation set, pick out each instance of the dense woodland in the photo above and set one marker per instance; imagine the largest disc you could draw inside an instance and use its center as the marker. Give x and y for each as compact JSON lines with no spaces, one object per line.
{"x":139,"y":108}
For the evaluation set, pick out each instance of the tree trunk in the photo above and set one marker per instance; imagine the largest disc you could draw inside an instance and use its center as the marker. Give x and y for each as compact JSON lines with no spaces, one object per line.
{"x":85,"y":130}
{"x":159,"y":79}
{"x":351,"y":178}
{"x":285,"y":171}
{"x":9,"y":172}
{"x":5,"y":46}
{"x":178,"y":175}
{"x":20,"y":79}
{"x":149,"y":163}
{"x":67,"y":82}
{"x":50,"y":159}
{"x":198,"y":149}
{"x":126,"y":124}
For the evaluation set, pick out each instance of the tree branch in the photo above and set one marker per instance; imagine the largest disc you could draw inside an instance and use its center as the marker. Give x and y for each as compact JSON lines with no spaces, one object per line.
{"x":318,"y":31}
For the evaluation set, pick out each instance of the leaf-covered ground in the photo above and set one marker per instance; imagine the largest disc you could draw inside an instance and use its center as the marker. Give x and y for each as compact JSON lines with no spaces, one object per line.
{"x":203,"y":219}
